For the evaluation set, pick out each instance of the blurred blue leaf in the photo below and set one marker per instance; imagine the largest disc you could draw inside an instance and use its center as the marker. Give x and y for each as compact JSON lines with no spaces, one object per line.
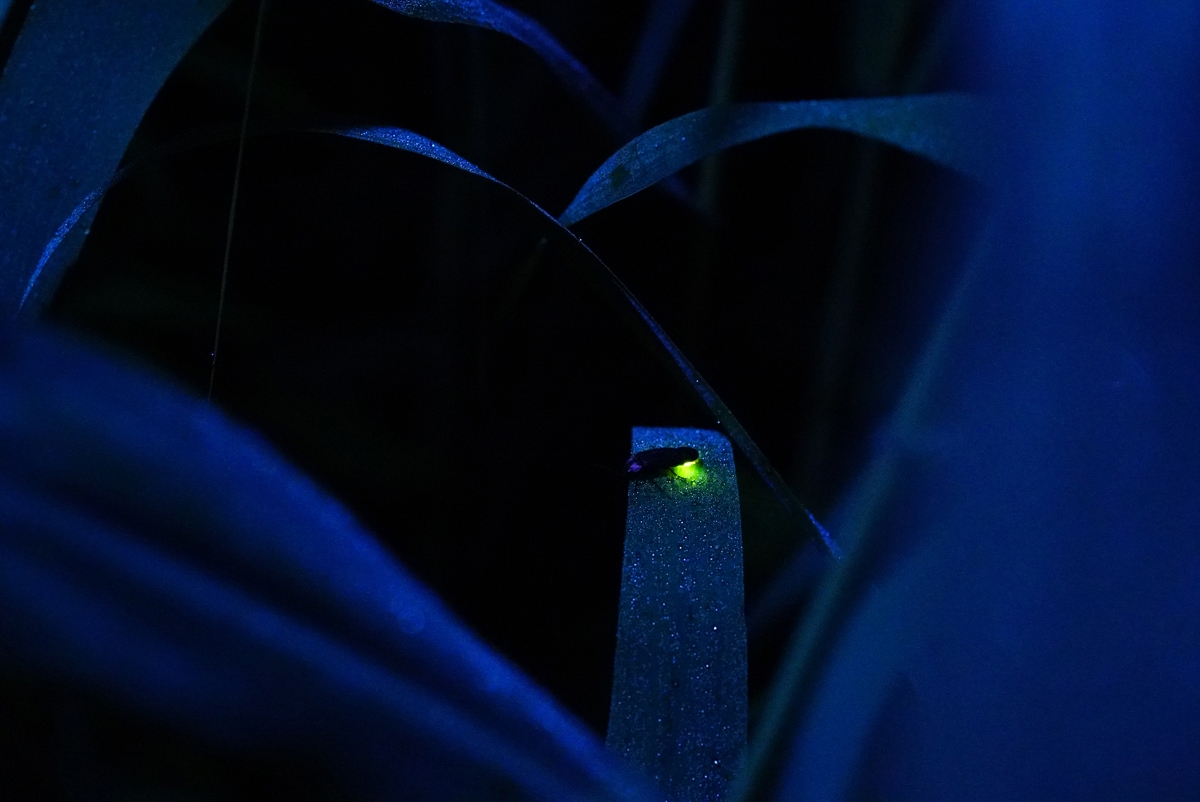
{"x":78,"y":80}
{"x":529,"y":32}
{"x":664,"y":21}
{"x":154,"y":552}
{"x":950,"y":129}
{"x":1024,"y":621}
{"x":856,"y":520}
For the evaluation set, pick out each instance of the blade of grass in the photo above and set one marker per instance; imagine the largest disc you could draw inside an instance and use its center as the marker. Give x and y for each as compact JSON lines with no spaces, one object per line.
{"x":415,"y":143}
{"x":501,"y":19}
{"x":158,"y":555}
{"x":233,"y":199}
{"x":679,"y":675}
{"x":49,"y":159}
{"x":949,"y":129}
{"x":529,"y":32}
{"x":69,"y":104}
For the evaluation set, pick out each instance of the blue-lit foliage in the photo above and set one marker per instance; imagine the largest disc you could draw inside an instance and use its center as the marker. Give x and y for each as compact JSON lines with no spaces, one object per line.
{"x":168,"y":559}
{"x":679,"y":684}
{"x":1001,"y":420}
{"x":949,"y":129}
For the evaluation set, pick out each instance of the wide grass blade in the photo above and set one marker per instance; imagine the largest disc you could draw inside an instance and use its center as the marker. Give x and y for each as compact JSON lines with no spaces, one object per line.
{"x":156,"y":554}
{"x":679,"y":700}
{"x":1022,"y":621}
{"x":949,"y":129}
{"x":79,"y":79}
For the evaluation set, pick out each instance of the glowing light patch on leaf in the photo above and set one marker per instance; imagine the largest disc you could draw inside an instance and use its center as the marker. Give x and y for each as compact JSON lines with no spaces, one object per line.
{"x":690,"y":471}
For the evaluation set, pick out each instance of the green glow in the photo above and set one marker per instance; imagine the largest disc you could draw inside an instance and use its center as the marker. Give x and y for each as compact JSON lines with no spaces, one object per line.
{"x":689,"y":470}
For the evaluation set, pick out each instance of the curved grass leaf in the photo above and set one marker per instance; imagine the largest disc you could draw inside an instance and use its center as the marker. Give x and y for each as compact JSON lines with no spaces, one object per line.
{"x":412,"y":142}
{"x":529,"y":32}
{"x":155,"y":553}
{"x":415,"y":143}
{"x":69,"y":104}
{"x":54,"y":258}
{"x":949,"y":129}
{"x":75,"y":87}
{"x":857,"y":521}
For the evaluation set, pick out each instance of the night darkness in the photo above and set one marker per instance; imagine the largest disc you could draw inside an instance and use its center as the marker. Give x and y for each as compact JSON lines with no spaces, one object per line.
{"x":985,"y":386}
{"x":386,"y":330}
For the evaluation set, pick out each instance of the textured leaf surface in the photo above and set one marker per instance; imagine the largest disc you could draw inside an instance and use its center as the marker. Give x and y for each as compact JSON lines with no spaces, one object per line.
{"x":948,"y":129}
{"x":74,"y":89}
{"x":679,"y":703}
{"x":154,"y":552}
{"x":415,"y":143}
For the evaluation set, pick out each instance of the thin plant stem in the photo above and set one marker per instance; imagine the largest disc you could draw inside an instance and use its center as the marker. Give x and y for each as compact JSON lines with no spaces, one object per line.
{"x":237,"y":178}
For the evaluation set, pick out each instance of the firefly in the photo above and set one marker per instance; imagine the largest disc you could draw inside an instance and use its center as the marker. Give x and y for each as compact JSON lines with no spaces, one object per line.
{"x":655,"y":462}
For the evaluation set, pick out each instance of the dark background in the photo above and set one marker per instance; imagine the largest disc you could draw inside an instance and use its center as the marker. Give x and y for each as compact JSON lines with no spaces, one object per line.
{"x":391,"y":327}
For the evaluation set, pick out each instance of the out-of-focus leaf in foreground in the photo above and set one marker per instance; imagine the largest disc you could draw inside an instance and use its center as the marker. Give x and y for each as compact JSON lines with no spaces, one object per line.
{"x":1023,"y":622}
{"x":78,"y":81}
{"x":501,"y":19}
{"x":949,"y":129}
{"x":166,"y":559}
